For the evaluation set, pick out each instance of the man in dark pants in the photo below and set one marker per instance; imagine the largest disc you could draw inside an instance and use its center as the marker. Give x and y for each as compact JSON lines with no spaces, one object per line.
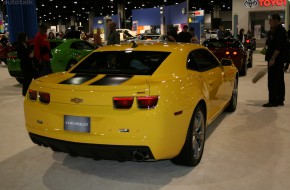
{"x":276,"y":56}
{"x":25,"y":55}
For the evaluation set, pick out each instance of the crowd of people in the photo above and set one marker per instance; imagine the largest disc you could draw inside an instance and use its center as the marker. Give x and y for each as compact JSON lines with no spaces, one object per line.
{"x":35,"y":59}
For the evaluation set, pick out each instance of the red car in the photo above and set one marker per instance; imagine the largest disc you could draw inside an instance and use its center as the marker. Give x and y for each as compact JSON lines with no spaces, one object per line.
{"x":5,"y":48}
{"x":232,"y":49}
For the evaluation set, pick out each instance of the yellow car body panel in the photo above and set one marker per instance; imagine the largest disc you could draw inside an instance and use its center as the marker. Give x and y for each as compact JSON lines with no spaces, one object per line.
{"x":162,"y":129}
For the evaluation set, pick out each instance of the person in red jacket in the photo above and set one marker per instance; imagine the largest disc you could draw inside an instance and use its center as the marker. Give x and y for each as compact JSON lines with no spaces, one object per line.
{"x":42,"y":53}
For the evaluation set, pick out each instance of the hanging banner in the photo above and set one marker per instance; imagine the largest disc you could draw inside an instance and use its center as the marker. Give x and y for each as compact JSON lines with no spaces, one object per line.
{"x":135,"y":26}
{"x":1,"y":22}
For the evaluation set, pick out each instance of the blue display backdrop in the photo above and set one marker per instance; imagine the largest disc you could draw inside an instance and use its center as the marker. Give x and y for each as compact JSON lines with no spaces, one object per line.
{"x":22,"y":17}
{"x":174,"y":15}
{"x":150,"y":16}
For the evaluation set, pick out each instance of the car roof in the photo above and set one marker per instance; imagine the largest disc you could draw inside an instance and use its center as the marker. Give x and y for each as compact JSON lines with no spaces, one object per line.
{"x":151,"y":35}
{"x":221,"y":40}
{"x":67,"y":40}
{"x":154,"y":46}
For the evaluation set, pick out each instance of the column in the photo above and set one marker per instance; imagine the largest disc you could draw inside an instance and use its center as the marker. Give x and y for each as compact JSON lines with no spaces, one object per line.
{"x":287,"y":16}
{"x":216,"y":20}
{"x":91,"y":22}
{"x":73,"y":22}
{"x":121,"y":13}
{"x":216,"y":11}
{"x":163,"y":29}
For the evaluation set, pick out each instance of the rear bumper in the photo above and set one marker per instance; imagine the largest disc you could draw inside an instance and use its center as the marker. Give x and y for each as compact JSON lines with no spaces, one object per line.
{"x":163,"y":133}
{"x":95,"y":151}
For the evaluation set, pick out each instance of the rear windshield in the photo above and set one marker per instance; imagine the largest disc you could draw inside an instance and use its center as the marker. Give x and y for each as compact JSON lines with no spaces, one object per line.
{"x":122,"y":62}
{"x":221,"y":44}
{"x":150,"y":37}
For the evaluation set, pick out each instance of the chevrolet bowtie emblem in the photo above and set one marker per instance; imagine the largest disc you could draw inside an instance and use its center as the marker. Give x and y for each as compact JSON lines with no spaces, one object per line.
{"x":76,"y":100}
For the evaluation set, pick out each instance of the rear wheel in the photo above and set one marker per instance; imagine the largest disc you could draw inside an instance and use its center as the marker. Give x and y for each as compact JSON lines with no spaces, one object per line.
{"x":250,"y":59}
{"x":234,"y":99}
{"x":70,"y":64}
{"x":192,"y":150}
{"x":250,"y":63}
{"x":243,"y":71}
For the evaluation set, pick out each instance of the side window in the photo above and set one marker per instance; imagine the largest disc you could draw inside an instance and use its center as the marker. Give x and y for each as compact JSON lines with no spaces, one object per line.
{"x":77,"y":45}
{"x":204,"y":59}
{"x":191,"y":63}
{"x":237,"y":44}
{"x":88,"y":46}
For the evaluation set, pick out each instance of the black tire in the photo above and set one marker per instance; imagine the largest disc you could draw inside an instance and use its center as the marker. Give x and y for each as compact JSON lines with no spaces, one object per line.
{"x":192,"y":150}
{"x":244,"y":70}
{"x":20,"y":80}
{"x":250,"y":60}
{"x":250,"y":63}
{"x":234,"y":99}
{"x":70,"y":64}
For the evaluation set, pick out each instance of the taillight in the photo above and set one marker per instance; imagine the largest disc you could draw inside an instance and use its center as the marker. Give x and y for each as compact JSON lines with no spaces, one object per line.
{"x":247,"y":41}
{"x":32,"y":94}
{"x":12,"y":57}
{"x":123,"y":102}
{"x":147,"y":102}
{"x":233,"y":53}
{"x":44,"y":97}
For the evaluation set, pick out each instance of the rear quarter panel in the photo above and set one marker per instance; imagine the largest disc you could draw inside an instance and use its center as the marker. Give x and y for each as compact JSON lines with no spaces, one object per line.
{"x":179,"y":93}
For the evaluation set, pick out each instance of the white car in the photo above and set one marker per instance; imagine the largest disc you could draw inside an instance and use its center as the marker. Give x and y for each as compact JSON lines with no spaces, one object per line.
{"x":153,"y":38}
{"x":126,"y":33}
{"x":211,"y":34}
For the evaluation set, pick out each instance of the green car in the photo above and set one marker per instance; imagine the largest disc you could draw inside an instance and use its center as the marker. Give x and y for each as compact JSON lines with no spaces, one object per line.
{"x":65,"y":54}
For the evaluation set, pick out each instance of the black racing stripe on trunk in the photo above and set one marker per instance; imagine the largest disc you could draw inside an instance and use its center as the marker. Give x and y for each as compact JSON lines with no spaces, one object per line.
{"x":78,"y":79}
{"x":112,"y":80}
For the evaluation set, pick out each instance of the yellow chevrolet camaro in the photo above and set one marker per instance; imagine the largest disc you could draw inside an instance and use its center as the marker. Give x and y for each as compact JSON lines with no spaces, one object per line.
{"x":133,"y":102}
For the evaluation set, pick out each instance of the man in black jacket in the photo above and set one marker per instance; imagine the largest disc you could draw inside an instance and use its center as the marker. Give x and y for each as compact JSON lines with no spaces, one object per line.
{"x":276,"y":57}
{"x":184,"y":35}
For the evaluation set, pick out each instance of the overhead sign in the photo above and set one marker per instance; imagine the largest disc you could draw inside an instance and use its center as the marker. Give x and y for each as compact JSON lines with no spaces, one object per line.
{"x":199,"y":13}
{"x":267,"y":3}
{"x":251,"y":3}
{"x":264,"y":3}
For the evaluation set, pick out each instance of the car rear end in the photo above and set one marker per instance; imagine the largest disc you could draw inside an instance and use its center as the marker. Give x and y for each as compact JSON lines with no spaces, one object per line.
{"x":105,"y":113}
{"x":13,"y":64}
{"x":226,"y":48}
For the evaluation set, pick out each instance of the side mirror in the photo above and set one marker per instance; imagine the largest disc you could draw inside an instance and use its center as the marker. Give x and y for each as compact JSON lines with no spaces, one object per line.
{"x":226,"y":62}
